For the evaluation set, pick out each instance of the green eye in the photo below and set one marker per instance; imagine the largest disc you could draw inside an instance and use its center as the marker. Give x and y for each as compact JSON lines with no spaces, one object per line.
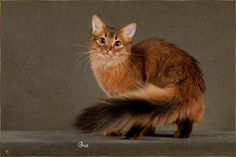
{"x":102,"y":41}
{"x":117,"y":43}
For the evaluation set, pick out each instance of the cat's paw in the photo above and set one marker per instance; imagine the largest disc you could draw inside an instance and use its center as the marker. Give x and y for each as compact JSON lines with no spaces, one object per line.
{"x":111,"y":133}
{"x":178,"y":134}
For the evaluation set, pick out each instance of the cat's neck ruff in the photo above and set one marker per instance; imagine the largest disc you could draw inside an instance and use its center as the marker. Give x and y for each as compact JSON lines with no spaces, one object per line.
{"x":106,"y":62}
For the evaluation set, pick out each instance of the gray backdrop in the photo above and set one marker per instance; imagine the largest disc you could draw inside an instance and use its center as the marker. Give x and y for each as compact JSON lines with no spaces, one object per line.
{"x":41,"y":91}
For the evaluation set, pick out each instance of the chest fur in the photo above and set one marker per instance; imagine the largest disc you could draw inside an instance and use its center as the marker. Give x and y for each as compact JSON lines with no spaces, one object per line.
{"x":116,"y":80}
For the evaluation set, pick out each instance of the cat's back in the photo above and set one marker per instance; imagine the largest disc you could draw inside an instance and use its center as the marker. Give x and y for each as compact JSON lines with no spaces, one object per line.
{"x":160,"y":49}
{"x":165,"y":58}
{"x":153,"y":45}
{"x":149,"y":42}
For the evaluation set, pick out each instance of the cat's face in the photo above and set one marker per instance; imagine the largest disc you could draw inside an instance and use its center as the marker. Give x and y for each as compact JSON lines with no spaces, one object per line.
{"x":110,"y":46}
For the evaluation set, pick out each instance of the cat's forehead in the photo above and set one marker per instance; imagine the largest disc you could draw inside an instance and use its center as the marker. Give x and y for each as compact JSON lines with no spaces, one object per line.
{"x":111,"y":32}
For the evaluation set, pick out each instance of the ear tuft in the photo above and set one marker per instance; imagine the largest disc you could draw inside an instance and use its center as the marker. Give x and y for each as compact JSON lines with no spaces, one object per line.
{"x":129,"y":30}
{"x":97,"y":24}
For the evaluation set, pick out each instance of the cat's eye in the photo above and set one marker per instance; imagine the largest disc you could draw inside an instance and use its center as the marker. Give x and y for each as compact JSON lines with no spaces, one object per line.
{"x":117,"y":43}
{"x":102,"y":41}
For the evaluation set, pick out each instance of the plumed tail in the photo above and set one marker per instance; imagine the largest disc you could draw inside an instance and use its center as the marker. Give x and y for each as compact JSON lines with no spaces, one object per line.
{"x":131,"y":109}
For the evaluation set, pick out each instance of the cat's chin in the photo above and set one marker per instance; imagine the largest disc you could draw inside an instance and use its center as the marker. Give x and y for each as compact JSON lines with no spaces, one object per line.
{"x":105,"y":62}
{"x":108,"y":63}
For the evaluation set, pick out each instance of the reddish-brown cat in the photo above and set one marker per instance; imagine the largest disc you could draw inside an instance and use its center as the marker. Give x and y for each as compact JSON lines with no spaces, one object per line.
{"x":150,"y":84}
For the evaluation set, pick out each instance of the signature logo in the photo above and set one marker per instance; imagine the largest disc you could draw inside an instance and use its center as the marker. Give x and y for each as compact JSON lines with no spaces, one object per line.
{"x":82,"y":145}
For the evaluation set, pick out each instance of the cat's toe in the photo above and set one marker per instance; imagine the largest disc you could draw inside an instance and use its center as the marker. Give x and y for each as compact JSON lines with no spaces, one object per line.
{"x":110,"y":133}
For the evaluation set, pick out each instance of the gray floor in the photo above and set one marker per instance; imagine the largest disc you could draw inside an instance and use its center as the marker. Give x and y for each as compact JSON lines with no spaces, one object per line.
{"x":66,"y":143}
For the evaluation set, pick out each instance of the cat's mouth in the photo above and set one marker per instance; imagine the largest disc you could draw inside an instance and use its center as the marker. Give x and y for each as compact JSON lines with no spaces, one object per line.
{"x":108,"y":59}
{"x":107,"y":55}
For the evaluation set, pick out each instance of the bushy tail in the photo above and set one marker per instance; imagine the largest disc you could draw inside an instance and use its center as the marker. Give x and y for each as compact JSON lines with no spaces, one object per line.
{"x":142,"y":107}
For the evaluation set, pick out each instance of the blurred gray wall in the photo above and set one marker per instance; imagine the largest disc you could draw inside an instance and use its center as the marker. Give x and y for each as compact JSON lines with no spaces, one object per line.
{"x":41,"y":91}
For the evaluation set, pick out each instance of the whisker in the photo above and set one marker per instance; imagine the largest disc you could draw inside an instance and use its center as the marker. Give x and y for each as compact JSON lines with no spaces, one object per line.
{"x":81,"y":45}
{"x":124,"y":64}
{"x":80,"y":63}
{"x":133,"y":66}
{"x":78,"y":58}
{"x":119,"y":62}
{"x":82,"y":53}
{"x":91,"y":59}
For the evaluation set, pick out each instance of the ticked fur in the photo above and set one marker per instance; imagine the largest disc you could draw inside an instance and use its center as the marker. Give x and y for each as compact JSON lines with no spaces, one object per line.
{"x":152,"y":73}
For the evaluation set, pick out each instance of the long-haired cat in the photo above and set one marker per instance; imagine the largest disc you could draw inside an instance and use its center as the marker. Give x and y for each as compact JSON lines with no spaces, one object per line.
{"x":149,"y":84}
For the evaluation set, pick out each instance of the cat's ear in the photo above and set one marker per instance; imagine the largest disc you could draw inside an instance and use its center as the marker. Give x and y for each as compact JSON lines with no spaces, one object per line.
{"x":128,"y":31}
{"x":97,"y":25}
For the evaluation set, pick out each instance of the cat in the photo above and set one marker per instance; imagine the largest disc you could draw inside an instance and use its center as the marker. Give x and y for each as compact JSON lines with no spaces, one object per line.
{"x":150,"y":84}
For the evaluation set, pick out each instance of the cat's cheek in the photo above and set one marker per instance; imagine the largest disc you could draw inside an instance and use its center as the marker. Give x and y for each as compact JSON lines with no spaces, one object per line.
{"x":125,"y":53}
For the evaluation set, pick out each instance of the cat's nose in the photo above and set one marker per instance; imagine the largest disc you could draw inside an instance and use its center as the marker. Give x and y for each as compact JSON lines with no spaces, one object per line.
{"x":108,"y":50}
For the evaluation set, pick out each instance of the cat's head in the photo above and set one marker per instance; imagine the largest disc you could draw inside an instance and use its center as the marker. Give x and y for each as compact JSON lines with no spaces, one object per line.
{"x":110,"y":45}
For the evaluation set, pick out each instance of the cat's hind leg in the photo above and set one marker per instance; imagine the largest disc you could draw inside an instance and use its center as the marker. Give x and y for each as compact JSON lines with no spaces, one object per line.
{"x":184,"y":128}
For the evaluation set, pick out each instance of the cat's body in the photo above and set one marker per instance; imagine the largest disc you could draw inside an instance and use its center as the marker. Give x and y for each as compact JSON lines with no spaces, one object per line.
{"x":150,"y":84}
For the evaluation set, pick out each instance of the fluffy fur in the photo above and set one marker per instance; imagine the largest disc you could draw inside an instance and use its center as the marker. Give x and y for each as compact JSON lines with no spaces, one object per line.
{"x":150,"y":84}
